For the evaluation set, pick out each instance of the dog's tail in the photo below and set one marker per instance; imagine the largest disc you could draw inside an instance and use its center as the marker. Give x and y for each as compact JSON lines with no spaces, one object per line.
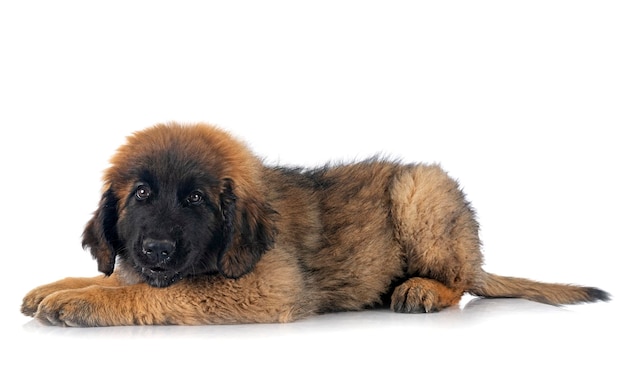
{"x":491,"y":285}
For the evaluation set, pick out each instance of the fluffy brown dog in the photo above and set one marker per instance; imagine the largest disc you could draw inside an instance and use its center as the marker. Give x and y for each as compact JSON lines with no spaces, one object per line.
{"x":193,"y":229}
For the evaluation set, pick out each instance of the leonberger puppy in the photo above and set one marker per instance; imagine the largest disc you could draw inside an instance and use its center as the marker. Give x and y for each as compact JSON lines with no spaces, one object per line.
{"x":192,"y":228}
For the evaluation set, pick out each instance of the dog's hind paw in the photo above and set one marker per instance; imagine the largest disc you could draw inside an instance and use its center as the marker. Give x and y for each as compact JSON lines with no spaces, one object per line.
{"x":422,"y":295}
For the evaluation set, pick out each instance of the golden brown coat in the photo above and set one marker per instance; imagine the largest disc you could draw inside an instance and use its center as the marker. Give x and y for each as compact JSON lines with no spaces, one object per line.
{"x":240,"y":242}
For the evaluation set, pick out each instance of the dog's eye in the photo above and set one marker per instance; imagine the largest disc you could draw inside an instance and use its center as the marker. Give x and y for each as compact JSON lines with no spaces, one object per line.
{"x":195,"y":198}
{"x":142,"y":192}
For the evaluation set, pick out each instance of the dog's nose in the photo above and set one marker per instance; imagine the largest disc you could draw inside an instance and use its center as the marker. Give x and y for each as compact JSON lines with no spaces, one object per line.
{"x":158,"y":250}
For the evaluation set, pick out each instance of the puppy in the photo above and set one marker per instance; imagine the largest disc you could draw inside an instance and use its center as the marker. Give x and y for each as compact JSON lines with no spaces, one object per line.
{"x":192,"y":228}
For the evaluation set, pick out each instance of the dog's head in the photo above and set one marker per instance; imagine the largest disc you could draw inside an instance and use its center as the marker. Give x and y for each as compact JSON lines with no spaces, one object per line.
{"x":180,"y":201}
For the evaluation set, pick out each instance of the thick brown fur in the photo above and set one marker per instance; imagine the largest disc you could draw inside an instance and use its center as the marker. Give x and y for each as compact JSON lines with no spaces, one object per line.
{"x":192,"y":228}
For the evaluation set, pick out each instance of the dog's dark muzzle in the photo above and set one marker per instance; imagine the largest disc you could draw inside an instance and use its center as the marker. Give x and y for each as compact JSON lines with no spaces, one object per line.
{"x":157,"y":252}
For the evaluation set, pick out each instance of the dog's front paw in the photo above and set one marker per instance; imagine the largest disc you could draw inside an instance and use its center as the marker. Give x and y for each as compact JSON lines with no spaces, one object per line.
{"x":68,"y":308}
{"x":31,"y":301}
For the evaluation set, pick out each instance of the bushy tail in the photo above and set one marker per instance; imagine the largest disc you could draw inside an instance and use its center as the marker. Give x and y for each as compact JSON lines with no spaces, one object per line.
{"x":491,"y":285}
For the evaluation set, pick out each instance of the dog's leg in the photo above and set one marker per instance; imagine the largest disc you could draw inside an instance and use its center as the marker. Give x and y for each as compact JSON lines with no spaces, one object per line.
{"x":189,"y":302}
{"x":439,"y":236}
{"x":272,"y":292}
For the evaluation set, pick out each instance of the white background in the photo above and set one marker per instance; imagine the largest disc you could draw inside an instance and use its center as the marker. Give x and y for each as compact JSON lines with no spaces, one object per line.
{"x":523,"y":102}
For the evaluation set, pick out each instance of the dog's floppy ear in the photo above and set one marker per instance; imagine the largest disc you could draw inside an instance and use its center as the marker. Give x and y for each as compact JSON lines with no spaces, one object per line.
{"x":100,"y":234}
{"x":247,"y":231}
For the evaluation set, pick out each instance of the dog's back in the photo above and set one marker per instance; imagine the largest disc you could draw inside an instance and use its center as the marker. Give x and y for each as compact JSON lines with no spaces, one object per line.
{"x":365,"y":230}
